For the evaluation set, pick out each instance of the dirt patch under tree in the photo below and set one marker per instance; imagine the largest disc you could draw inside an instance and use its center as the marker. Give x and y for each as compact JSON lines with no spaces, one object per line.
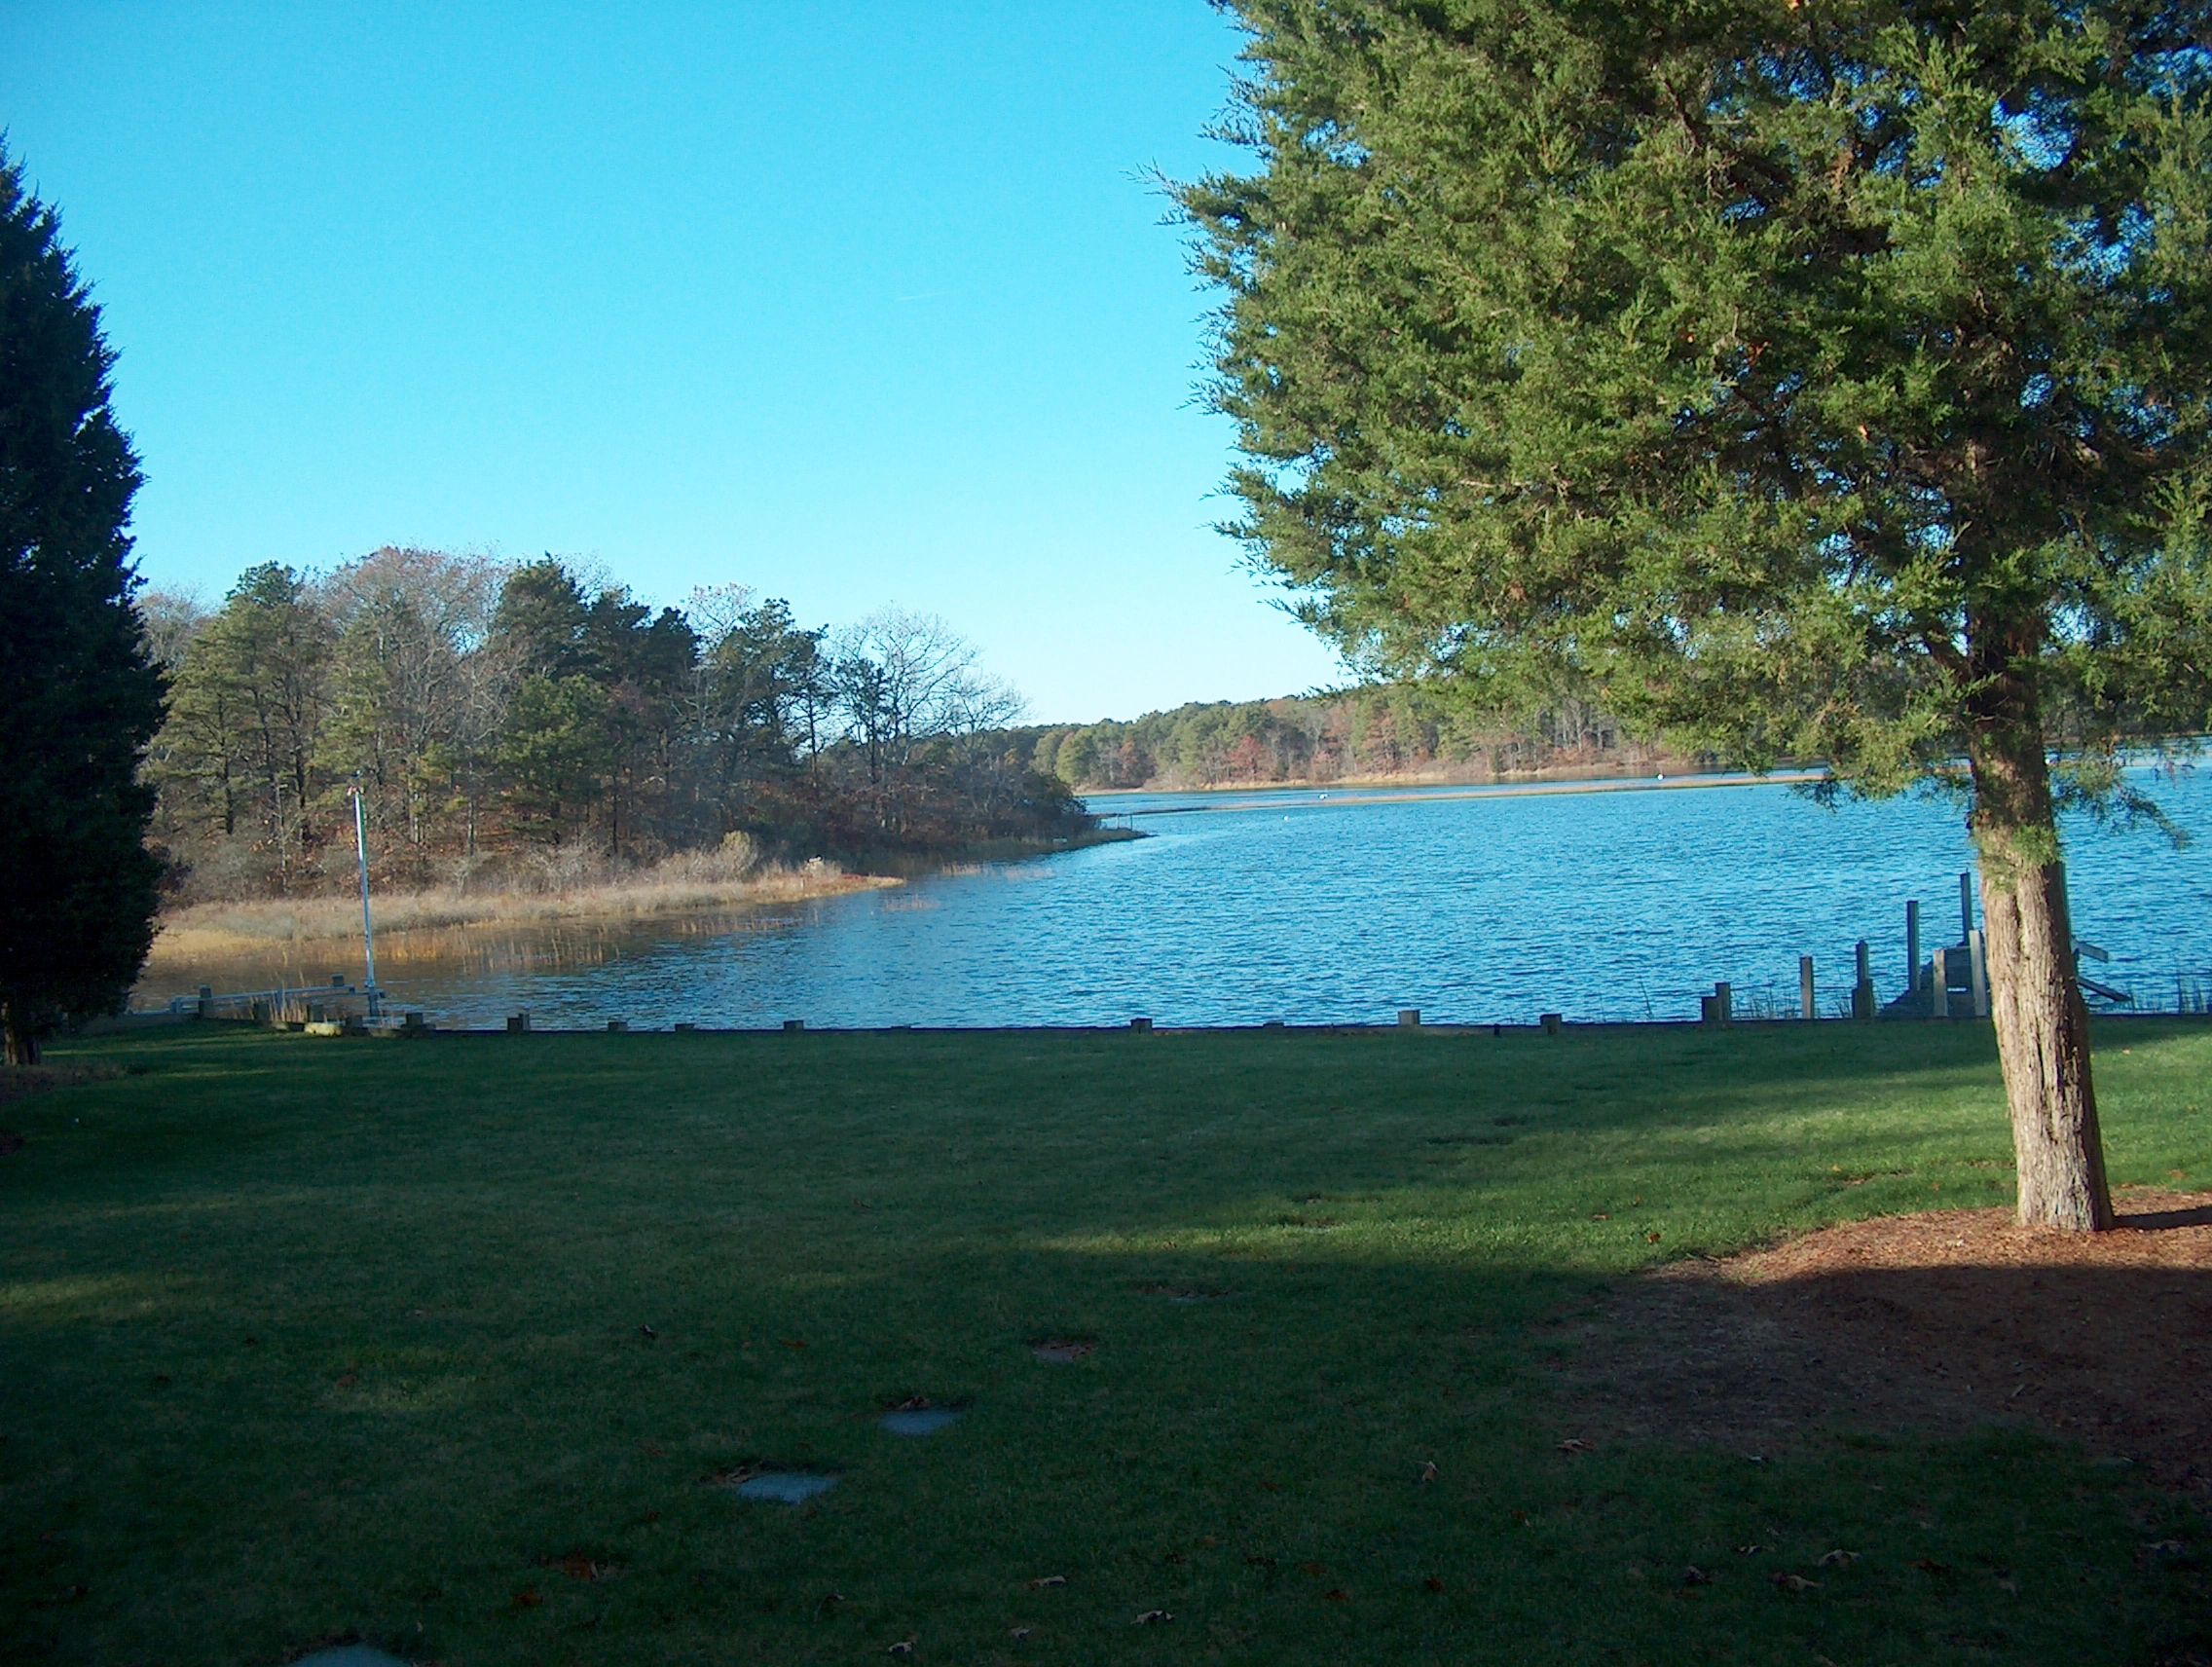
{"x":1940,"y":1322}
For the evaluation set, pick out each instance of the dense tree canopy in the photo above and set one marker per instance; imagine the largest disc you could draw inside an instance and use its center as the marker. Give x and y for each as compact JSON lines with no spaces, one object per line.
{"x":526,"y":718}
{"x":1806,"y":377}
{"x":78,"y":690}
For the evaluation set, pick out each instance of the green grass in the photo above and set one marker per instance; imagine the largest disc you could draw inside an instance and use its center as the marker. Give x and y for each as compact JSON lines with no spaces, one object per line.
{"x":312,"y":1340}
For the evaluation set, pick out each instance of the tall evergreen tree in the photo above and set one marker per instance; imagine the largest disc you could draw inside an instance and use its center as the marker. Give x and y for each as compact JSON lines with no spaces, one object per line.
{"x":1825,"y":378}
{"x":80,"y":692}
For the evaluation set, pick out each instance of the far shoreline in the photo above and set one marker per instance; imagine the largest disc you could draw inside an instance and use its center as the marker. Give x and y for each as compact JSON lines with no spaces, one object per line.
{"x":1398,"y":791}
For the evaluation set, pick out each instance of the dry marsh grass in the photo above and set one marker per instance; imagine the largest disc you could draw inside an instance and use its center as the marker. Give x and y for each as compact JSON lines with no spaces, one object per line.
{"x":435,"y":925}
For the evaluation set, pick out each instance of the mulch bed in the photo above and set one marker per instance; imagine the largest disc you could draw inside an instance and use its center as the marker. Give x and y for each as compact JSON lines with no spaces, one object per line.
{"x":20,"y":1082}
{"x":1940,"y":1322}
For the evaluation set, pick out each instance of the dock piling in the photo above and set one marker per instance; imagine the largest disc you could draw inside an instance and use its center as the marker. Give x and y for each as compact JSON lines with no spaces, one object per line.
{"x":1805,"y":1007}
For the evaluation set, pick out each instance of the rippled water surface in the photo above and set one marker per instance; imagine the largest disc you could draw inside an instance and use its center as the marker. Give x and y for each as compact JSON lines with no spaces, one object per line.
{"x":1620,"y":904}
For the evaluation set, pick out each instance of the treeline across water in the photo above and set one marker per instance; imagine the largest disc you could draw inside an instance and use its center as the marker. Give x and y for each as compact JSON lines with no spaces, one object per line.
{"x":1384,"y":731}
{"x":504,"y":720}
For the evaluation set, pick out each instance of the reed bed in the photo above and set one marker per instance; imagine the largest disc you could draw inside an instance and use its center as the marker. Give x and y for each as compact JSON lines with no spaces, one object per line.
{"x":440,"y":922}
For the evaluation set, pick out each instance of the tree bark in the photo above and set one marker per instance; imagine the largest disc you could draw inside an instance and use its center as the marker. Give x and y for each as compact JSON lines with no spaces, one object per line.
{"x":2043,"y":1027}
{"x":21,"y":1039}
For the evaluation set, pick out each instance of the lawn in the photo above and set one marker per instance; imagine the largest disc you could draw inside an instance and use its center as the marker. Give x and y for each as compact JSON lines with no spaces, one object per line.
{"x":443,"y":1345}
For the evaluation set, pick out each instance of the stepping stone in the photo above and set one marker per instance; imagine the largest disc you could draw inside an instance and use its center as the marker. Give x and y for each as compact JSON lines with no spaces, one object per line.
{"x":784,"y":1487}
{"x":1183,"y":1293}
{"x":918,"y":1421}
{"x":350,"y":1656}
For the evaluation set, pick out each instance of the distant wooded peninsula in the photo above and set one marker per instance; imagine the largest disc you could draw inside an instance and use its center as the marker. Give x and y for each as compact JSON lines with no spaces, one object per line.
{"x":533,"y":724}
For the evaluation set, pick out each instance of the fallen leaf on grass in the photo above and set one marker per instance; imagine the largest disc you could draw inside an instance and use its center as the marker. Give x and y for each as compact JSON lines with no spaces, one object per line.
{"x":1044,"y":1581}
{"x":1839,"y":1558}
{"x":1651,"y":1238}
{"x":2165,"y":1547}
{"x":1434,"y":1583}
{"x":831,"y":1600}
{"x":1794,"y":1582}
{"x":1335,"y":1595}
{"x":1749,"y":1550}
{"x":1017,"y":1633}
{"x":1152,"y":1618}
{"x":1311,"y":1569}
{"x":1175,"y":1557}
{"x":526,"y":1598}
{"x":1574,"y":1444}
{"x":1428,"y":1471}
{"x":350,"y":1377}
{"x":793,"y":1342}
{"x":1928,"y":1566}
{"x":905,"y":1646}
{"x":1693,"y":1575}
{"x":1261,"y":1562}
{"x":1600,"y":1216}
{"x":1270,"y":1487}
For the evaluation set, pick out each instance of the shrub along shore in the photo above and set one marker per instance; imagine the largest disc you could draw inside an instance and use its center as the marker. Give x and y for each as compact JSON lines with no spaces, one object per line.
{"x":443,"y":922}
{"x":456,"y":1350}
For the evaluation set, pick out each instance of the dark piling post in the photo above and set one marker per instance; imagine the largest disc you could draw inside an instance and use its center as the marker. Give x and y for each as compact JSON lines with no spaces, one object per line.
{"x":1409,"y":1019}
{"x":1551,"y":1022}
{"x":1939,"y":987}
{"x":1805,"y":1007}
{"x":518,"y":1022}
{"x":1140,"y":1024}
{"x":792,"y":1026}
{"x":1912,"y":946}
{"x":1863,"y":991}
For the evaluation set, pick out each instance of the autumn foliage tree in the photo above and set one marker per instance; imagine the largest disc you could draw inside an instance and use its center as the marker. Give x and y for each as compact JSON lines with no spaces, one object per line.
{"x":1814,"y":378}
{"x":79,"y":693}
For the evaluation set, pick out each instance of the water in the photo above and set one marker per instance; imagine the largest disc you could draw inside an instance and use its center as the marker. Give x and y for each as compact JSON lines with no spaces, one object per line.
{"x":1345,"y":907}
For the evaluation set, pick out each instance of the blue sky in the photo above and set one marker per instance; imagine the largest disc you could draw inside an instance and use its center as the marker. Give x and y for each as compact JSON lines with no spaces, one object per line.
{"x":854,"y":303}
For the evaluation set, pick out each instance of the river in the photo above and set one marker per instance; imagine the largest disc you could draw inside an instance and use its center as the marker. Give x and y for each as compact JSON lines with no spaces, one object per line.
{"x":1474,"y":907}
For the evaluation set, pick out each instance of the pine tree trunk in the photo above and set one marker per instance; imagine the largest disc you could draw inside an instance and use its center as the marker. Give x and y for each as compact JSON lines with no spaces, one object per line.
{"x":2043,"y":1027}
{"x":21,"y":1041}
